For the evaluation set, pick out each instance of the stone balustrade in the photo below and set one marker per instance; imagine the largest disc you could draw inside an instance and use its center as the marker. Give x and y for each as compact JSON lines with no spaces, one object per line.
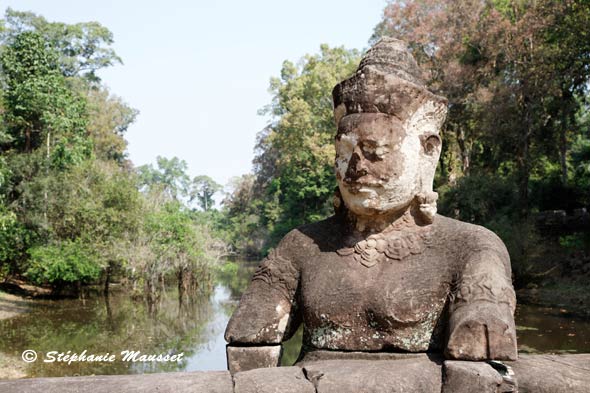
{"x":408,"y":373}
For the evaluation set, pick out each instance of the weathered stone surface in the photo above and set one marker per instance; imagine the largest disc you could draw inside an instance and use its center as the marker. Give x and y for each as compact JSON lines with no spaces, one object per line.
{"x":273,"y":380}
{"x":469,"y":377}
{"x":344,"y":372}
{"x":248,"y":358}
{"x":385,"y":273}
{"x":411,"y":375}
{"x":202,"y":382}
{"x":321,"y":355}
{"x":482,"y":330}
{"x":552,"y":373}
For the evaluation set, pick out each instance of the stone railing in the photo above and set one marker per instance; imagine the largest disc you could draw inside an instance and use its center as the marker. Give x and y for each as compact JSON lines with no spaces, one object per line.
{"x":408,"y":373}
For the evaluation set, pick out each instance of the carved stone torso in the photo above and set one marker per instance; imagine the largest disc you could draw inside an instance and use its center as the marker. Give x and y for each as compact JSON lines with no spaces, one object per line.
{"x":395,"y":304}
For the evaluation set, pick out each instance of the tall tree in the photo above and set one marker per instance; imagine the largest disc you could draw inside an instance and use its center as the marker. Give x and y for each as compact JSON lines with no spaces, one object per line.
{"x":108,"y":120}
{"x":295,"y":153}
{"x":40,"y":109}
{"x":203,"y":188}
{"x":82,"y":48}
{"x":170,"y":176}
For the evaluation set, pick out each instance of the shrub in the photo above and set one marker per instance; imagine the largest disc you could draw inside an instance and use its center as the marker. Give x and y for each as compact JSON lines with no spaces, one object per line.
{"x":66,"y":262}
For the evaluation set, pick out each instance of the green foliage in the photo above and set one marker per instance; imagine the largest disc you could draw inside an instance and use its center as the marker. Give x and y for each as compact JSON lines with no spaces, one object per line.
{"x":172,"y":229}
{"x":294,"y":179}
{"x":582,"y":168}
{"x":244,"y":211}
{"x":169,"y":177}
{"x":72,"y":210}
{"x":576,"y":241}
{"x":65,"y":262}
{"x":39,"y":107}
{"x":109,"y":118}
{"x":82,"y":48}
{"x":228,"y":269}
{"x":478,"y":198}
{"x":14,"y":241}
{"x":203,"y":188}
{"x":172,"y":243}
{"x":514,"y":72}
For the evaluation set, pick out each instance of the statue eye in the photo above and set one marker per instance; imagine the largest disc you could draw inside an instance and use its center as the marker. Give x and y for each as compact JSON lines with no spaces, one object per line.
{"x":372,"y":151}
{"x":368,"y":149}
{"x":431,"y":143}
{"x":381,"y":151}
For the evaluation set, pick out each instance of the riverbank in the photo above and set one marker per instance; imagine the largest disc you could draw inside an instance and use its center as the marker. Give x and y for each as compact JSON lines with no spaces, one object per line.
{"x":572,"y":298}
{"x":11,"y":366}
{"x":12,"y":305}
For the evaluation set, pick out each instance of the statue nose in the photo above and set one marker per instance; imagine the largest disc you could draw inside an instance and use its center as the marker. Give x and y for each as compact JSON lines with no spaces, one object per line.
{"x":356,"y":168}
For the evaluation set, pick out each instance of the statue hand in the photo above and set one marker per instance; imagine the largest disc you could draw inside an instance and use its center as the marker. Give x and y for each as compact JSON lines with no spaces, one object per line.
{"x":481,"y":331}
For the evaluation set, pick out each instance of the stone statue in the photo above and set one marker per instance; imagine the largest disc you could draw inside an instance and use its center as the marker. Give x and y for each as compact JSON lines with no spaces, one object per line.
{"x":385,"y":273}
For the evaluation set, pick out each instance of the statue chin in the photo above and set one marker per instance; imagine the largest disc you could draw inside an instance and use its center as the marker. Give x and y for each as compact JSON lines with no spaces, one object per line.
{"x":371,"y":202}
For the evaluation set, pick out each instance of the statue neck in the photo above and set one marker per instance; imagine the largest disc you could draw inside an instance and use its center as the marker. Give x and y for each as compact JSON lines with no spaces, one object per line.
{"x":363,"y":226}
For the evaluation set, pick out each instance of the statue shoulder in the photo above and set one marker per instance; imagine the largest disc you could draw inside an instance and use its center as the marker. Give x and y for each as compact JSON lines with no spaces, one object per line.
{"x":306,"y":238}
{"x":469,"y":237}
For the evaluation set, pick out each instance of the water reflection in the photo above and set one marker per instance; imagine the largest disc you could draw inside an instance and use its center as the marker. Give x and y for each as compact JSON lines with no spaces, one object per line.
{"x":100,"y":325}
{"x":110,"y":325}
{"x":544,"y":329}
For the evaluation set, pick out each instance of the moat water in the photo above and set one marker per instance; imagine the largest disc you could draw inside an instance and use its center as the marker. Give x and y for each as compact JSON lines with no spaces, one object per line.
{"x":111,"y":325}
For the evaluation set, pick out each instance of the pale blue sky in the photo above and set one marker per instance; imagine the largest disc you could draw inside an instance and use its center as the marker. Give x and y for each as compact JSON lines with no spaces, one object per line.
{"x":198,"y":71}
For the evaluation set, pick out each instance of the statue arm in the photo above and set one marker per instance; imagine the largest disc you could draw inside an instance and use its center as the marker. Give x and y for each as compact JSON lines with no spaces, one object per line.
{"x":481,"y":322}
{"x":266,"y":316}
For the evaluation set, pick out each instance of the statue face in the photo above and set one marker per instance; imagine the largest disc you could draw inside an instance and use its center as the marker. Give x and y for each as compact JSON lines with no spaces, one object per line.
{"x":382,"y":162}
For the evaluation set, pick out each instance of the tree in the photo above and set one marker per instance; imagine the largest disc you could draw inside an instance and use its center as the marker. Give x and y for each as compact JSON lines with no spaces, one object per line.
{"x":295,"y":153}
{"x":72,"y":210}
{"x":203,"y":188}
{"x":65,"y":213}
{"x":39,"y":107}
{"x":109,"y":117}
{"x":82,"y":48}
{"x":511,"y":70}
{"x":63,"y":264}
{"x":170,"y":176}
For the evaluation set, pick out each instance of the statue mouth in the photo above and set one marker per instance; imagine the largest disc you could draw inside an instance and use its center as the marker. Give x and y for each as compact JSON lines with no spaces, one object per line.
{"x":359,"y":187}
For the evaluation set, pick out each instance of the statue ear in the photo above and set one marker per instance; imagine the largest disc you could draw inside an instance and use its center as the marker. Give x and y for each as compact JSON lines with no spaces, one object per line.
{"x":431,"y":144}
{"x":339,"y":113}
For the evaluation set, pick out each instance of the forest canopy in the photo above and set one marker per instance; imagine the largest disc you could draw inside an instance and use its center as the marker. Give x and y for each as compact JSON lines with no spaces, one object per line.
{"x":75,"y":210}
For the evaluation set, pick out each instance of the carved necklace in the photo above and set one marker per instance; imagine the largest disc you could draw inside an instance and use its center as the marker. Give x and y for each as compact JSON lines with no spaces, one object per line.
{"x":392,"y":243}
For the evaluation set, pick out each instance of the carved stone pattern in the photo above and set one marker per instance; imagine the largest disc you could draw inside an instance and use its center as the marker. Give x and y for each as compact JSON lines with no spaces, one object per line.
{"x":482,"y":287}
{"x":279,"y":273}
{"x":394,"y":245}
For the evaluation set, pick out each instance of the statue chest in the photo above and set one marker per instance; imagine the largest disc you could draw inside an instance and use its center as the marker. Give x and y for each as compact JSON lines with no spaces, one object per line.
{"x":392,"y":305}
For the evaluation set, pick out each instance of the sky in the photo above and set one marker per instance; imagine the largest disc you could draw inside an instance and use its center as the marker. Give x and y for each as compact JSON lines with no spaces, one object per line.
{"x":199,"y":71}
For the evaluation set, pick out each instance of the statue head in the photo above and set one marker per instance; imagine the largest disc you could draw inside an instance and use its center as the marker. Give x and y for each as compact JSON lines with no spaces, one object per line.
{"x":388,"y":142}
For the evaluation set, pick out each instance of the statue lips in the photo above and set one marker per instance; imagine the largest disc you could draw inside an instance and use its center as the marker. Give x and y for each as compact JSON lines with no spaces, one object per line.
{"x":358,"y":187}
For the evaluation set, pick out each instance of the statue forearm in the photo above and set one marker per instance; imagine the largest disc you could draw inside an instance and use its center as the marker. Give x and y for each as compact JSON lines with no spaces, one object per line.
{"x":481,"y":324}
{"x":247,"y":358}
{"x":482,"y":330}
{"x":267,"y":315}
